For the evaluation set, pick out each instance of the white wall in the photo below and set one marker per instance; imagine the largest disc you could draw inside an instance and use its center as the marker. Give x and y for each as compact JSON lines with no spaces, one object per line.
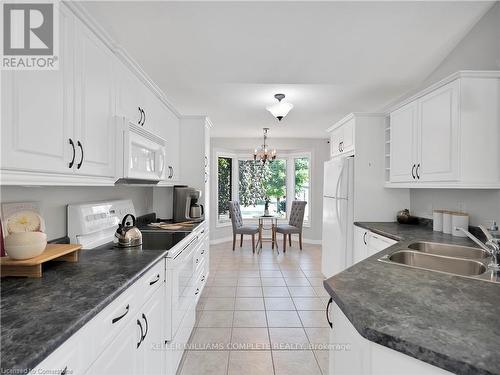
{"x":319,"y":149}
{"x":479,"y":50}
{"x":53,"y":200}
{"x":482,"y":205}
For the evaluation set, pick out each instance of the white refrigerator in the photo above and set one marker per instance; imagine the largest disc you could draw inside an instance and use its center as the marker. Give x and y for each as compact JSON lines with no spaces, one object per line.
{"x":338,"y":207}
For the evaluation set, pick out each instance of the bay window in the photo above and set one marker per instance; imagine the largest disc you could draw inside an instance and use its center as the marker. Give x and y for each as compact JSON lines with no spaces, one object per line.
{"x":253,"y":183}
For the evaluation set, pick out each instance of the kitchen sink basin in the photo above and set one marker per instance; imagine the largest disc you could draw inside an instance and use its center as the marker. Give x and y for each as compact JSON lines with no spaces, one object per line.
{"x":419,"y":259}
{"x":449,"y":250}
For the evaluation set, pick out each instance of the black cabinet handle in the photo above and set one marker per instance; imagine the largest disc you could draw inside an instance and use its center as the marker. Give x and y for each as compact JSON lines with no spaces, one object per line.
{"x":64,"y":371}
{"x":364,"y":238}
{"x":203,"y":252}
{"x":140,"y":116}
{"x":81,"y":160}
{"x":206,"y":161}
{"x":340,"y":150}
{"x":142,"y":336}
{"x":143,"y":117}
{"x":197,"y":291}
{"x":327,"y":315}
{"x":74,"y":153}
{"x":121,"y":316}
{"x":171,"y":169}
{"x":203,"y":278}
{"x":413,"y":171}
{"x":146,"y":332}
{"x":155,"y":281}
{"x":342,"y":146}
{"x":416,"y":171}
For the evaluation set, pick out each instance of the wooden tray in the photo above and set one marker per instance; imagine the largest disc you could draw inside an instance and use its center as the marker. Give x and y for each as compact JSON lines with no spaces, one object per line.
{"x":33,"y":267}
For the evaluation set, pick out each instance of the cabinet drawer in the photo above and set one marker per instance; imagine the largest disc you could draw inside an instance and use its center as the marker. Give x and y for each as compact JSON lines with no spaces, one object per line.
{"x":150,"y":282}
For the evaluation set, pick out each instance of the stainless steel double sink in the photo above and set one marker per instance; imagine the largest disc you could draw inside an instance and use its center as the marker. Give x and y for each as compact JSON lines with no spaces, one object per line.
{"x":446,"y":258}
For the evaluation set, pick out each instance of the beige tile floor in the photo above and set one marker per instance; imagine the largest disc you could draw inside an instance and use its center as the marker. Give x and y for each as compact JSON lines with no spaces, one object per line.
{"x":260,"y":314}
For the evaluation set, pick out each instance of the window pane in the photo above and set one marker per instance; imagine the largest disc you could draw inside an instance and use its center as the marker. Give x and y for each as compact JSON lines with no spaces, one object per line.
{"x":302,"y":177}
{"x":259,"y":183}
{"x":225,"y":187}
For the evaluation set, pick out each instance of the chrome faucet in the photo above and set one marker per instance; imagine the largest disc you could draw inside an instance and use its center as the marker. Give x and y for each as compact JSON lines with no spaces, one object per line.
{"x":491,"y":246}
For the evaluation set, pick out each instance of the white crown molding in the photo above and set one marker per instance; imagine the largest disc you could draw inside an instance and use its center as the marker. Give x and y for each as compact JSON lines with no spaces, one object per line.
{"x":444,"y":81}
{"x":352,"y":115}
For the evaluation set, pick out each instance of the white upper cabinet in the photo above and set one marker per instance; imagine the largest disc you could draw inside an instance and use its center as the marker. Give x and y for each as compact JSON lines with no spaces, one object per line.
{"x":403,"y":143}
{"x":95,"y":106}
{"x":442,"y":136}
{"x":37,"y":113}
{"x":131,"y":95}
{"x":439,"y":135}
{"x":342,"y":137}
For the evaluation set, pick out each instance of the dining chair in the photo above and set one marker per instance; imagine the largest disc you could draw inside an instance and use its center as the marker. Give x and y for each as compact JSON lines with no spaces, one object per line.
{"x":238,"y":227}
{"x":294,"y":225}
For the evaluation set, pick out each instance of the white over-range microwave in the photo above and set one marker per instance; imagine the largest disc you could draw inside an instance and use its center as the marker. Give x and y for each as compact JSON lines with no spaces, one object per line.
{"x":141,"y":154}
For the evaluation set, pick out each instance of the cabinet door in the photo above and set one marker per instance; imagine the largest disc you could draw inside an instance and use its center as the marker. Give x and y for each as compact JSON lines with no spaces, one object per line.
{"x":360,"y":248}
{"x":96,"y":94}
{"x":439,"y":135}
{"x":37,"y":117}
{"x":152,"y":345}
{"x":122,"y":356}
{"x":403,"y":143}
{"x":347,"y":140}
{"x":170,"y":127}
{"x":335,"y":139}
{"x":130,"y":94}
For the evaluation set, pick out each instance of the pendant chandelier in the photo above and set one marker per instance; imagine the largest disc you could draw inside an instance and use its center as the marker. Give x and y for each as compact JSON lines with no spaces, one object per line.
{"x":280,"y":109}
{"x":263,"y":153}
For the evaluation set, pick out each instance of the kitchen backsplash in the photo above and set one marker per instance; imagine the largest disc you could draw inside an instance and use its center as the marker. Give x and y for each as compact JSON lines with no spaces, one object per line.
{"x":482,"y":205}
{"x":53,"y":201}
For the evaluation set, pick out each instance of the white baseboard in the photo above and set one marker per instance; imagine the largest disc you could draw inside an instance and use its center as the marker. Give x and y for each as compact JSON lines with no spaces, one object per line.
{"x":229,"y":239}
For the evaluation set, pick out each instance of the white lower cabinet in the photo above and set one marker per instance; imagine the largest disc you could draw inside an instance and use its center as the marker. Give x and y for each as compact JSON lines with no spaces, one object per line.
{"x":352,"y":354}
{"x":376,"y":243}
{"x":122,"y":355}
{"x":360,"y":244}
{"x":367,"y":243}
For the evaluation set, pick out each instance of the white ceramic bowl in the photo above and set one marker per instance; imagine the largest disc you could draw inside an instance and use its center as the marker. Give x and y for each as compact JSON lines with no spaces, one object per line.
{"x":25,"y":245}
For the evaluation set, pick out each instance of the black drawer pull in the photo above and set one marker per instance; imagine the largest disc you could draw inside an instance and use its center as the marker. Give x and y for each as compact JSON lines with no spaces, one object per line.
{"x":197,"y":291}
{"x":202,"y":252}
{"x":147,"y":327}
{"x":364,"y":238}
{"x":327,"y":315}
{"x":64,"y":371}
{"x":121,"y":316}
{"x":144,"y":117}
{"x":203,"y":278}
{"x":413,"y":171}
{"x":78,"y":166}
{"x":416,"y":171}
{"x":142,"y":336}
{"x":155,"y":281}
{"x":74,"y":153}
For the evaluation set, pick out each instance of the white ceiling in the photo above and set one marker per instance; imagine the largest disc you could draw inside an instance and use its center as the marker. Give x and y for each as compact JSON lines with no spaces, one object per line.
{"x":228,"y":59}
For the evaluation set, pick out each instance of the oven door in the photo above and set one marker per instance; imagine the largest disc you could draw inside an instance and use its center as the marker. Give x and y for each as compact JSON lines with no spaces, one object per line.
{"x":144,"y":155}
{"x":182,"y":277}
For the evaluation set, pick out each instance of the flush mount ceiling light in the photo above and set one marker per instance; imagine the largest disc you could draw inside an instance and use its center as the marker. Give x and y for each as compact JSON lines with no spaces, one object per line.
{"x":280,"y":109}
{"x":263,"y":153}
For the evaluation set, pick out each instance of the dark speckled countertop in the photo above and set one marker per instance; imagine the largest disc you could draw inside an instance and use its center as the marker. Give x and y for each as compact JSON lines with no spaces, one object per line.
{"x":37,"y":315}
{"x":448,"y":321}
